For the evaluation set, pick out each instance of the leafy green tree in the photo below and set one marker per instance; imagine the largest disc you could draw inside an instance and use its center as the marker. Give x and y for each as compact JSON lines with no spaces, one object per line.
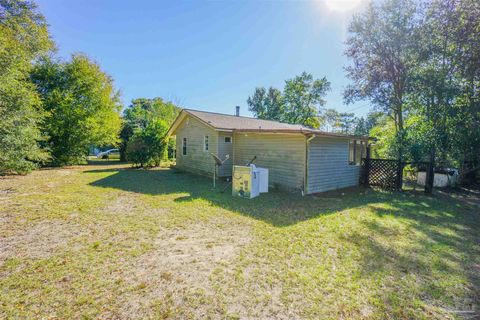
{"x":347,"y":122}
{"x":148,"y":147}
{"x":384,"y":133}
{"x":329,"y":120}
{"x":384,"y":49}
{"x":141,"y":111}
{"x":267,"y":104}
{"x":446,"y":95}
{"x":146,"y":121}
{"x":363,"y":125}
{"x":303,"y":98}
{"x":360,"y":127}
{"x":299,"y":103}
{"x":82,"y":107}
{"x":137,"y":151}
{"x":24,"y":39}
{"x":341,"y":122}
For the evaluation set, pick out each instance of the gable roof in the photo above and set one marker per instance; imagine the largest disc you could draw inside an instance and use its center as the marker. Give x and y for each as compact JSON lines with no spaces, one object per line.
{"x":225,"y":122}
{"x":231,"y":122}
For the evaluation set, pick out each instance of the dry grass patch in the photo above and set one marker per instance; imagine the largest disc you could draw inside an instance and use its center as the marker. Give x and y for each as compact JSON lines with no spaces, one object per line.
{"x":173,"y":277}
{"x":39,"y":241}
{"x":106,"y":241}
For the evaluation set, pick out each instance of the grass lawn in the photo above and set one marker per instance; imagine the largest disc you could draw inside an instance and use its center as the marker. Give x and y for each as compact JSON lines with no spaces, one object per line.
{"x":107,"y":241}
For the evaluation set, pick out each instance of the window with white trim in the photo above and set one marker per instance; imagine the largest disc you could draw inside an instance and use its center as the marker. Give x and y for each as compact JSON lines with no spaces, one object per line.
{"x":228,"y":140}
{"x":184,"y":146}
{"x":205,"y":143}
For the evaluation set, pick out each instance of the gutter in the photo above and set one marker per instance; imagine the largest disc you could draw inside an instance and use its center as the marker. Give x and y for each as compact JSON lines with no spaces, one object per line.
{"x":307,"y":144}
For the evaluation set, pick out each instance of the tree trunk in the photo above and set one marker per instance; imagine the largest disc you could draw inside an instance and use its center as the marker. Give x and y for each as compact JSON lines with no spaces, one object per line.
{"x":430,"y":173}
{"x":400,"y":132}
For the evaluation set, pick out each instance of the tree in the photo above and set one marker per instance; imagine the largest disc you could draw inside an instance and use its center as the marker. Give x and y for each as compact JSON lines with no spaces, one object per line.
{"x":148,"y":146}
{"x":383,"y":47}
{"x":329,"y":120}
{"x":447,"y":93}
{"x":341,"y":122}
{"x":360,"y":127}
{"x":299,"y":103}
{"x":363,"y":126}
{"x":82,"y":107}
{"x":24,"y":39}
{"x":145,"y":124}
{"x":420,"y":66}
{"x":267,"y":104}
{"x":303,"y":98}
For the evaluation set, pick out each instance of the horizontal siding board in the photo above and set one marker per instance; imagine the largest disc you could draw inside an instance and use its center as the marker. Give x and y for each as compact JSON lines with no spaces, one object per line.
{"x":328,"y":167}
{"x":282,"y":154}
{"x":197,"y":159}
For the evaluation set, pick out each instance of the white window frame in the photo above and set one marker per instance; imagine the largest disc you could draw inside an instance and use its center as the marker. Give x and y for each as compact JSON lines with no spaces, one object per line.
{"x":226,"y":138}
{"x":184,"y":146}
{"x":206,"y":142}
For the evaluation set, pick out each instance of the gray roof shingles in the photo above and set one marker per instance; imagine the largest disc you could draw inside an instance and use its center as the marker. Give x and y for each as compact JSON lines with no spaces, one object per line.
{"x":230,"y":122}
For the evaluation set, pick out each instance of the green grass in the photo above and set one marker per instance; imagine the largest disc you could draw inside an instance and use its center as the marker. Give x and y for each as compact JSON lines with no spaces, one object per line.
{"x":108,"y":241}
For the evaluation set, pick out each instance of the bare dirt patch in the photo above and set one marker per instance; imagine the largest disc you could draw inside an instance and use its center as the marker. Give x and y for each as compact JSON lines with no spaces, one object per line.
{"x":174,"y":277}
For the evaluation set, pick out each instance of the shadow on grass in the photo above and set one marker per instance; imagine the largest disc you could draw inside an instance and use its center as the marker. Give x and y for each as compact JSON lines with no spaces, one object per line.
{"x":278,"y":208}
{"x":431,"y":239}
{"x":104,"y":162}
{"x":434,"y":244}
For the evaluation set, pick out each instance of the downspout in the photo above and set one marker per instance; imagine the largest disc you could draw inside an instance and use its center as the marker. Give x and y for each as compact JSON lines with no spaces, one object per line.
{"x":307,"y":144}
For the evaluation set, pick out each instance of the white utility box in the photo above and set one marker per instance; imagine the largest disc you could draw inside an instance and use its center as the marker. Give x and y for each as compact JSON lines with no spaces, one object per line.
{"x":263,"y":183}
{"x":249,"y":181}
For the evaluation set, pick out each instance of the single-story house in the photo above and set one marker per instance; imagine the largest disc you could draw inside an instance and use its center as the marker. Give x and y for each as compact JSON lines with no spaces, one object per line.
{"x":298,"y":157}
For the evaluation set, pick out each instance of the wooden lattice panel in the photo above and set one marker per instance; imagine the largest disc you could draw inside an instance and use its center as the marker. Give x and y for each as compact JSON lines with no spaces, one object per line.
{"x":382,"y":173}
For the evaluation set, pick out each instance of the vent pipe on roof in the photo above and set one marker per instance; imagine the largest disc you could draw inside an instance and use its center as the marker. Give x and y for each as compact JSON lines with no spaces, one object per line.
{"x":237,"y":111}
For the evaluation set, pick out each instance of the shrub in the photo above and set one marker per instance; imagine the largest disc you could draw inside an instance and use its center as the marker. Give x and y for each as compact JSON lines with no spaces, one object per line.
{"x":148,"y":147}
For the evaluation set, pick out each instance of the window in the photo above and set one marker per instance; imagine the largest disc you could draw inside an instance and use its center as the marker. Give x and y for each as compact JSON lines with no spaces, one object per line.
{"x":205,"y":143}
{"x":351,"y":152}
{"x":184,"y":146}
{"x":228,"y":139}
{"x":356,"y":151}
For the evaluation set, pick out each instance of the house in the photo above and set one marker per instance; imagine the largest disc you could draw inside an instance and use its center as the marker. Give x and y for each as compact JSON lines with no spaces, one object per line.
{"x":298,"y":158}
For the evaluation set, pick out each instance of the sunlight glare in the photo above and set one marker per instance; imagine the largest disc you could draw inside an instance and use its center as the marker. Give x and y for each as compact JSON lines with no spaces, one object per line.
{"x":342,"y":5}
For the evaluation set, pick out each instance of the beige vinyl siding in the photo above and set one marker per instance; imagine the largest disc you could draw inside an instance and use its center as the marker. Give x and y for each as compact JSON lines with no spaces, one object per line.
{"x":197,"y":159}
{"x":328,"y":167}
{"x":223,"y":149}
{"x":282,"y":154}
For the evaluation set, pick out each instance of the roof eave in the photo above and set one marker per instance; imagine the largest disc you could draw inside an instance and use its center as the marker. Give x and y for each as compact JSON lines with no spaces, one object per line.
{"x":272,"y":131}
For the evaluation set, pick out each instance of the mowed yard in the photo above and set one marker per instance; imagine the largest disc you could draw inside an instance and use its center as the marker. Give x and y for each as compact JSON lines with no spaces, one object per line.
{"x":108,"y":241}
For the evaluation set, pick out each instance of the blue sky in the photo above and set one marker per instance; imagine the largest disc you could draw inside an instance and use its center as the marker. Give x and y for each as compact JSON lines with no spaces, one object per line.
{"x":207,"y":55}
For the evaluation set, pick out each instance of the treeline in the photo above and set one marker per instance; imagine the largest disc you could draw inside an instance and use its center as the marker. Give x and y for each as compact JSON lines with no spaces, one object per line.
{"x":302,"y":101}
{"x":53,"y":111}
{"x":418,"y":64}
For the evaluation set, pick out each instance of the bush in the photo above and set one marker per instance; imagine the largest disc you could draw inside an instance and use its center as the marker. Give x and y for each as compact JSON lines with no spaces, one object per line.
{"x":148,"y":147}
{"x":137,"y":151}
